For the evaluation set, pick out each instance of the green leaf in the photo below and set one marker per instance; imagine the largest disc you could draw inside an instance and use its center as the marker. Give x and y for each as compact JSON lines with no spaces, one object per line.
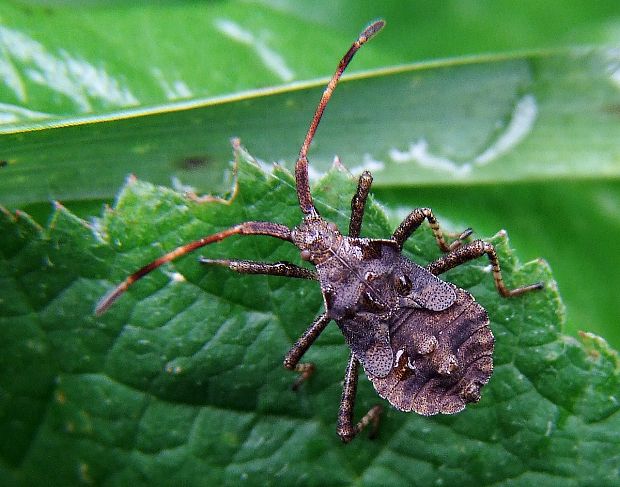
{"x":181,"y":381}
{"x":185,"y":68}
{"x":62,"y":59}
{"x":503,"y":119}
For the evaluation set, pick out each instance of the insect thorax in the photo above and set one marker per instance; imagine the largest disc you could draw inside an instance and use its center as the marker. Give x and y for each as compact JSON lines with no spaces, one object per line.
{"x":371,"y":276}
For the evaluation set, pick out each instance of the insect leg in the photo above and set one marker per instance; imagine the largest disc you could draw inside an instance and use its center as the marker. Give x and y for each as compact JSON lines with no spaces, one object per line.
{"x":411,"y":223}
{"x":358,"y":204}
{"x":291,"y":361}
{"x":286,"y":269}
{"x":471,"y":251}
{"x":247,"y":228}
{"x":346,"y":429}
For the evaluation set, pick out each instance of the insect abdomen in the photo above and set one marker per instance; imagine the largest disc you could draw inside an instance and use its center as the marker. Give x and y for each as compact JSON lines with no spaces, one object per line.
{"x":441,"y":359}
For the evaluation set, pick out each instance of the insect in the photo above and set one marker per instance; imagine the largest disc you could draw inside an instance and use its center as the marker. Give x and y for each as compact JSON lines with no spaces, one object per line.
{"x":425,"y":344}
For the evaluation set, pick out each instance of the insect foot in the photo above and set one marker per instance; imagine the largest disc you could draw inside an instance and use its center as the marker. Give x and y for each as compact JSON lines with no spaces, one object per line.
{"x":424,"y":343}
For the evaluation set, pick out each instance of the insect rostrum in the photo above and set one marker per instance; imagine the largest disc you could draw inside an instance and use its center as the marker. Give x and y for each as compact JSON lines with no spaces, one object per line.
{"x":424,"y":343}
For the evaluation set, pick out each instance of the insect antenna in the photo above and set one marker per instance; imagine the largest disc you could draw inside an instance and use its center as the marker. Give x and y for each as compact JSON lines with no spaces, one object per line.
{"x":257,"y":228}
{"x":248,"y":228}
{"x":301,"y":167}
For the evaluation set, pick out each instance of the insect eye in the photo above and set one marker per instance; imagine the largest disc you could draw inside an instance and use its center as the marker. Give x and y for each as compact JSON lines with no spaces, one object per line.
{"x":305,"y":255}
{"x":402,"y":284}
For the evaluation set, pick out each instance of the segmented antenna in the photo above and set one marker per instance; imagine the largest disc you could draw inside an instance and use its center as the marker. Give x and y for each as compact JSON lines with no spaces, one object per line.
{"x":115,"y":293}
{"x":301,"y":167}
{"x":248,"y":228}
{"x":255,"y":228}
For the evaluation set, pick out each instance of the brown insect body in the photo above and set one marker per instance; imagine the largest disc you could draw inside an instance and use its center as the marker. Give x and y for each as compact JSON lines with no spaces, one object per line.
{"x":424,"y":343}
{"x":442,"y":359}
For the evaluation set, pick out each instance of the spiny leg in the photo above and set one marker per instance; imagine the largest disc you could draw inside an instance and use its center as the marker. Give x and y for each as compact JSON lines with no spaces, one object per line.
{"x":292,"y":358}
{"x":411,"y":223}
{"x":247,"y":228}
{"x":346,"y":429}
{"x":471,"y":251}
{"x":358,"y":203}
{"x":282,"y":268}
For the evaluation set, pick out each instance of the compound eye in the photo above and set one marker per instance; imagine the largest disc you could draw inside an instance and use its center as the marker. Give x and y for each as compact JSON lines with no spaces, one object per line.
{"x":402,"y":284}
{"x":305,"y":254}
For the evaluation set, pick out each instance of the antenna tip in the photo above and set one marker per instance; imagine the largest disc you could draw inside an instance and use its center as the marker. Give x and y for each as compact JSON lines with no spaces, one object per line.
{"x":373,"y":28}
{"x":107,"y":301}
{"x":102,"y":306}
